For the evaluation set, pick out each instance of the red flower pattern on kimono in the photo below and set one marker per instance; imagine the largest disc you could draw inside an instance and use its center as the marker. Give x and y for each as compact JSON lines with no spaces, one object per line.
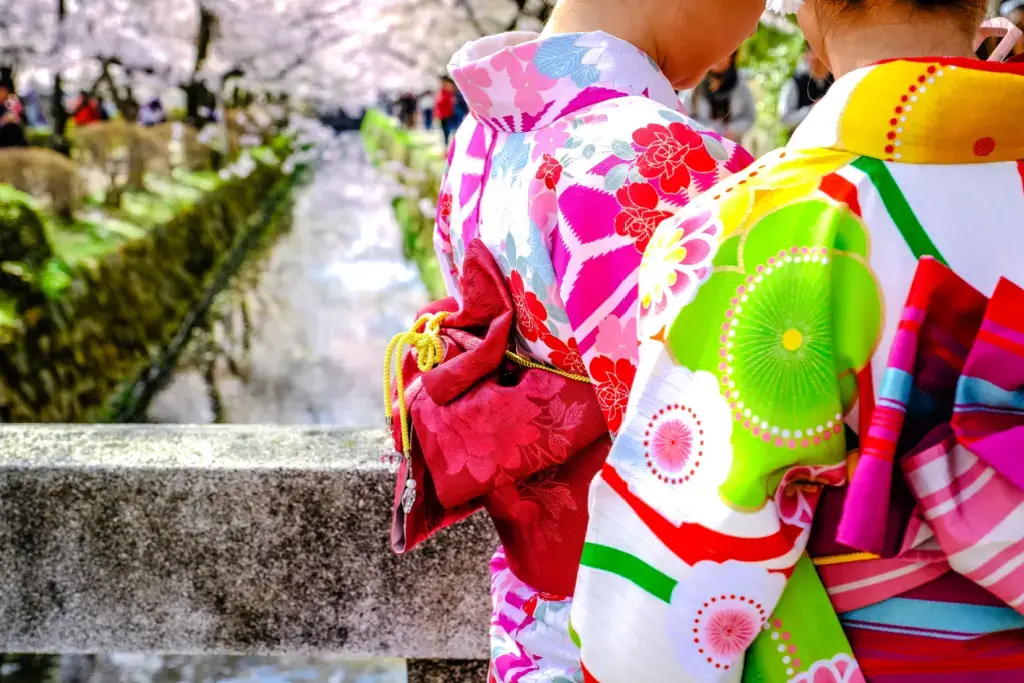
{"x":445,"y":207}
{"x":550,"y":171}
{"x":670,"y":153}
{"x":565,"y":356}
{"x":640,"y":215}
{"x":612,"y":380}
{"x":472,"y":436}
{"x":530,"y":312}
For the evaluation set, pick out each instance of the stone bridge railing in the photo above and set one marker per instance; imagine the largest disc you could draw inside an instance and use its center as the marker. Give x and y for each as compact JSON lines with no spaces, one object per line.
{"x":259,"y":540}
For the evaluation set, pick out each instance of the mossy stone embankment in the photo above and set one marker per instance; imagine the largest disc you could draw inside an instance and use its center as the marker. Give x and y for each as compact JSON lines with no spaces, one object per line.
{"x":92,"y":302}
{"x":416,"y":161}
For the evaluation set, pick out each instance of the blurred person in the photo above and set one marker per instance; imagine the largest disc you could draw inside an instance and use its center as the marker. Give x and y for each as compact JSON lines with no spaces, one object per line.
{"x":723,"y":101}
{"x":426,"y":107}
{"x":12,"y":125}
{"x":572,"y":153}
{"x":87,"y":110}
{"x":461,"y":109}
{"x":863,"y":319}
{"x":444,"y":108}
{"x":407,"y":109}
{"x":808,"y":85}
{"x":34,"y":115}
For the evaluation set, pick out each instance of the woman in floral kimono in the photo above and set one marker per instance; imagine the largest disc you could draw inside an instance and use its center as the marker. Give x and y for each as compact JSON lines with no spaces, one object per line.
{"x":762,"y":361}
{"x":574,"y":152}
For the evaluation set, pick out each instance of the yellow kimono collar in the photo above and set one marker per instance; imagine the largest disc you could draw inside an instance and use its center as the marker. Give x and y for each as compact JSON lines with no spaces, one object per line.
{"x":922,"y":111}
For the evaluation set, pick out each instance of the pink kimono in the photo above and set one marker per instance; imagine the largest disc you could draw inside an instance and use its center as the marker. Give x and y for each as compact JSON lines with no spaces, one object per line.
{"x":574,"y":153}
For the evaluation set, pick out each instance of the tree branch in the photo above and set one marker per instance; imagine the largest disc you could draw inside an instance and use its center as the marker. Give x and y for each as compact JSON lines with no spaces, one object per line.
{"x":467,"y":6}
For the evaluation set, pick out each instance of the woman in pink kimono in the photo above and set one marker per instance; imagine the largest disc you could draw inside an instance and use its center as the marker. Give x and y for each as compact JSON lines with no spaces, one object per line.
{"x":574,"y":153}
{"x":862,"y":313}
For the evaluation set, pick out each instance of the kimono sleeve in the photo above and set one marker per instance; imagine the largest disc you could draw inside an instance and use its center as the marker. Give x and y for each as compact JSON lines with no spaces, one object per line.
{"x":625,"y":166}
{"x":747,"y":372}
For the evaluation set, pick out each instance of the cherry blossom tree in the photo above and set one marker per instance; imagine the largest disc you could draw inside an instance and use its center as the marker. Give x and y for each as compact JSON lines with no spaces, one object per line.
{"x":341,"y":50}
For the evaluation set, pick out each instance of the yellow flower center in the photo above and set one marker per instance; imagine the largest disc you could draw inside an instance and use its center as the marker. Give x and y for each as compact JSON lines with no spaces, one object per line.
{"x":792,"y":339}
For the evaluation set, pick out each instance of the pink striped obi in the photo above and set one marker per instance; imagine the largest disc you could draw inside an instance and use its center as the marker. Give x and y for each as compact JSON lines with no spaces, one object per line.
{"x":939,"y":484}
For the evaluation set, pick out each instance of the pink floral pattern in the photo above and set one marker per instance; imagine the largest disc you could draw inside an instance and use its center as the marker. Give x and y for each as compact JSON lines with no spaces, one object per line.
{"x":616,"y":337}
{"x":841,"y":669}
{"x":677,"y":262}
{"x":524,"y":77}
{"x":574,"y":154}
{"x":713,"y":629}
{"x":529,"y":631}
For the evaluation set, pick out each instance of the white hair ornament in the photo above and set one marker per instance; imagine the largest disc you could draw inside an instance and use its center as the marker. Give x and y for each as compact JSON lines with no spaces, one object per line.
{"x":784,"y":6}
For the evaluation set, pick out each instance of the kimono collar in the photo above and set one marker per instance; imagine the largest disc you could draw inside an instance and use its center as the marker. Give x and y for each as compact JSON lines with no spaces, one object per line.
{"x":931,"y":110}
{"x":518,"y":82}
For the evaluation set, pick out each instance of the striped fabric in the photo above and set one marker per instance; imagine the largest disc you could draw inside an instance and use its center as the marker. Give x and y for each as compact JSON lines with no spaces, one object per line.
{"x":941,"y":318}
{"x":855,"y":585}
{"x":890,"y":658}
{"x":951,"y":400}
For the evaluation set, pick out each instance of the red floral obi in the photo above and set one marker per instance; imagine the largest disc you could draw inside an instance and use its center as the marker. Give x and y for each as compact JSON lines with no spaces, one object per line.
{"x":484,"y":432}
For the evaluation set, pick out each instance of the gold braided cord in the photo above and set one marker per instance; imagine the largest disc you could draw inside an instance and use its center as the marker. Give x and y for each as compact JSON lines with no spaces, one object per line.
{"x":527,"y":363}
{"x":425,"y":338}
{"x":827,"y":560}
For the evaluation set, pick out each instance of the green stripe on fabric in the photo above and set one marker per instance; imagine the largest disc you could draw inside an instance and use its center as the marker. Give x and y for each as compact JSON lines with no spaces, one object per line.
{"x":631,"y":568}
{"x":899,"y":208}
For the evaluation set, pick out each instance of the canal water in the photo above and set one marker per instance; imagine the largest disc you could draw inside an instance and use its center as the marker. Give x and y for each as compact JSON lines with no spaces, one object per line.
{"x":330,"y":295}
{"x":124,"y":668}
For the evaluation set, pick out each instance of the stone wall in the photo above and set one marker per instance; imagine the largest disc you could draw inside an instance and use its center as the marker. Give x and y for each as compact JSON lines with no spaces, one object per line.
{"x":226,"y":540}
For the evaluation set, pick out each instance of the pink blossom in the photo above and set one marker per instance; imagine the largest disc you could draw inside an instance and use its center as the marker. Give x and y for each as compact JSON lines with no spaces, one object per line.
{"x":550,"y":139}
{"x":473,"y":81}
{"x":614,"y":335}
{"x":543,"y":206}
{"x":526,"y":79}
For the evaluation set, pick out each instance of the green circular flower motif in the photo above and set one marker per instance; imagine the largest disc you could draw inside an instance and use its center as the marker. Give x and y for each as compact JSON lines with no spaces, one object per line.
{"x":785,"y":331}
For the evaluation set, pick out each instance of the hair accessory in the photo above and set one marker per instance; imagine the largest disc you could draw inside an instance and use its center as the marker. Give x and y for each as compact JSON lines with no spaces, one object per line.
{"x":789,"y":6}
{"x":995,"y":28}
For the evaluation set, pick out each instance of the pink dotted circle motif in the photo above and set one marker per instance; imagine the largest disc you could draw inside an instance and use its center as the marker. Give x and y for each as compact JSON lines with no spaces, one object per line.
{"x":674,"y":444}
{"x":725,"y":627}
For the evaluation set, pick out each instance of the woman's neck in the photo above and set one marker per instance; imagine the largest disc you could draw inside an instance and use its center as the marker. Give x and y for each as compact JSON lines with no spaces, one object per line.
{"x":618,"y":19}
{"x":853,"y":46}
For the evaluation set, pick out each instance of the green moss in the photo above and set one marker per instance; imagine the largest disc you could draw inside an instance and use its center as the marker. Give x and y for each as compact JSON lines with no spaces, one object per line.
{"x":24,"y":247}
{"x":113,"y":291}
{"x":8,"y":312}
{"x":386,"y":140}
{"x":206,"y":181}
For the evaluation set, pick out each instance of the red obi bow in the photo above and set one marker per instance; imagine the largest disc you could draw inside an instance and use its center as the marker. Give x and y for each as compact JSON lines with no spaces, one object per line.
{"x":478,"y":431}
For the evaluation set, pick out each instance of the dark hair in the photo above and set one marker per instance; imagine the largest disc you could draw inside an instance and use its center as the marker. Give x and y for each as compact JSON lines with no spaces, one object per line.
{"x":720,"y":100}
{"x":968,"y":9}
{"x":966,"y":13}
